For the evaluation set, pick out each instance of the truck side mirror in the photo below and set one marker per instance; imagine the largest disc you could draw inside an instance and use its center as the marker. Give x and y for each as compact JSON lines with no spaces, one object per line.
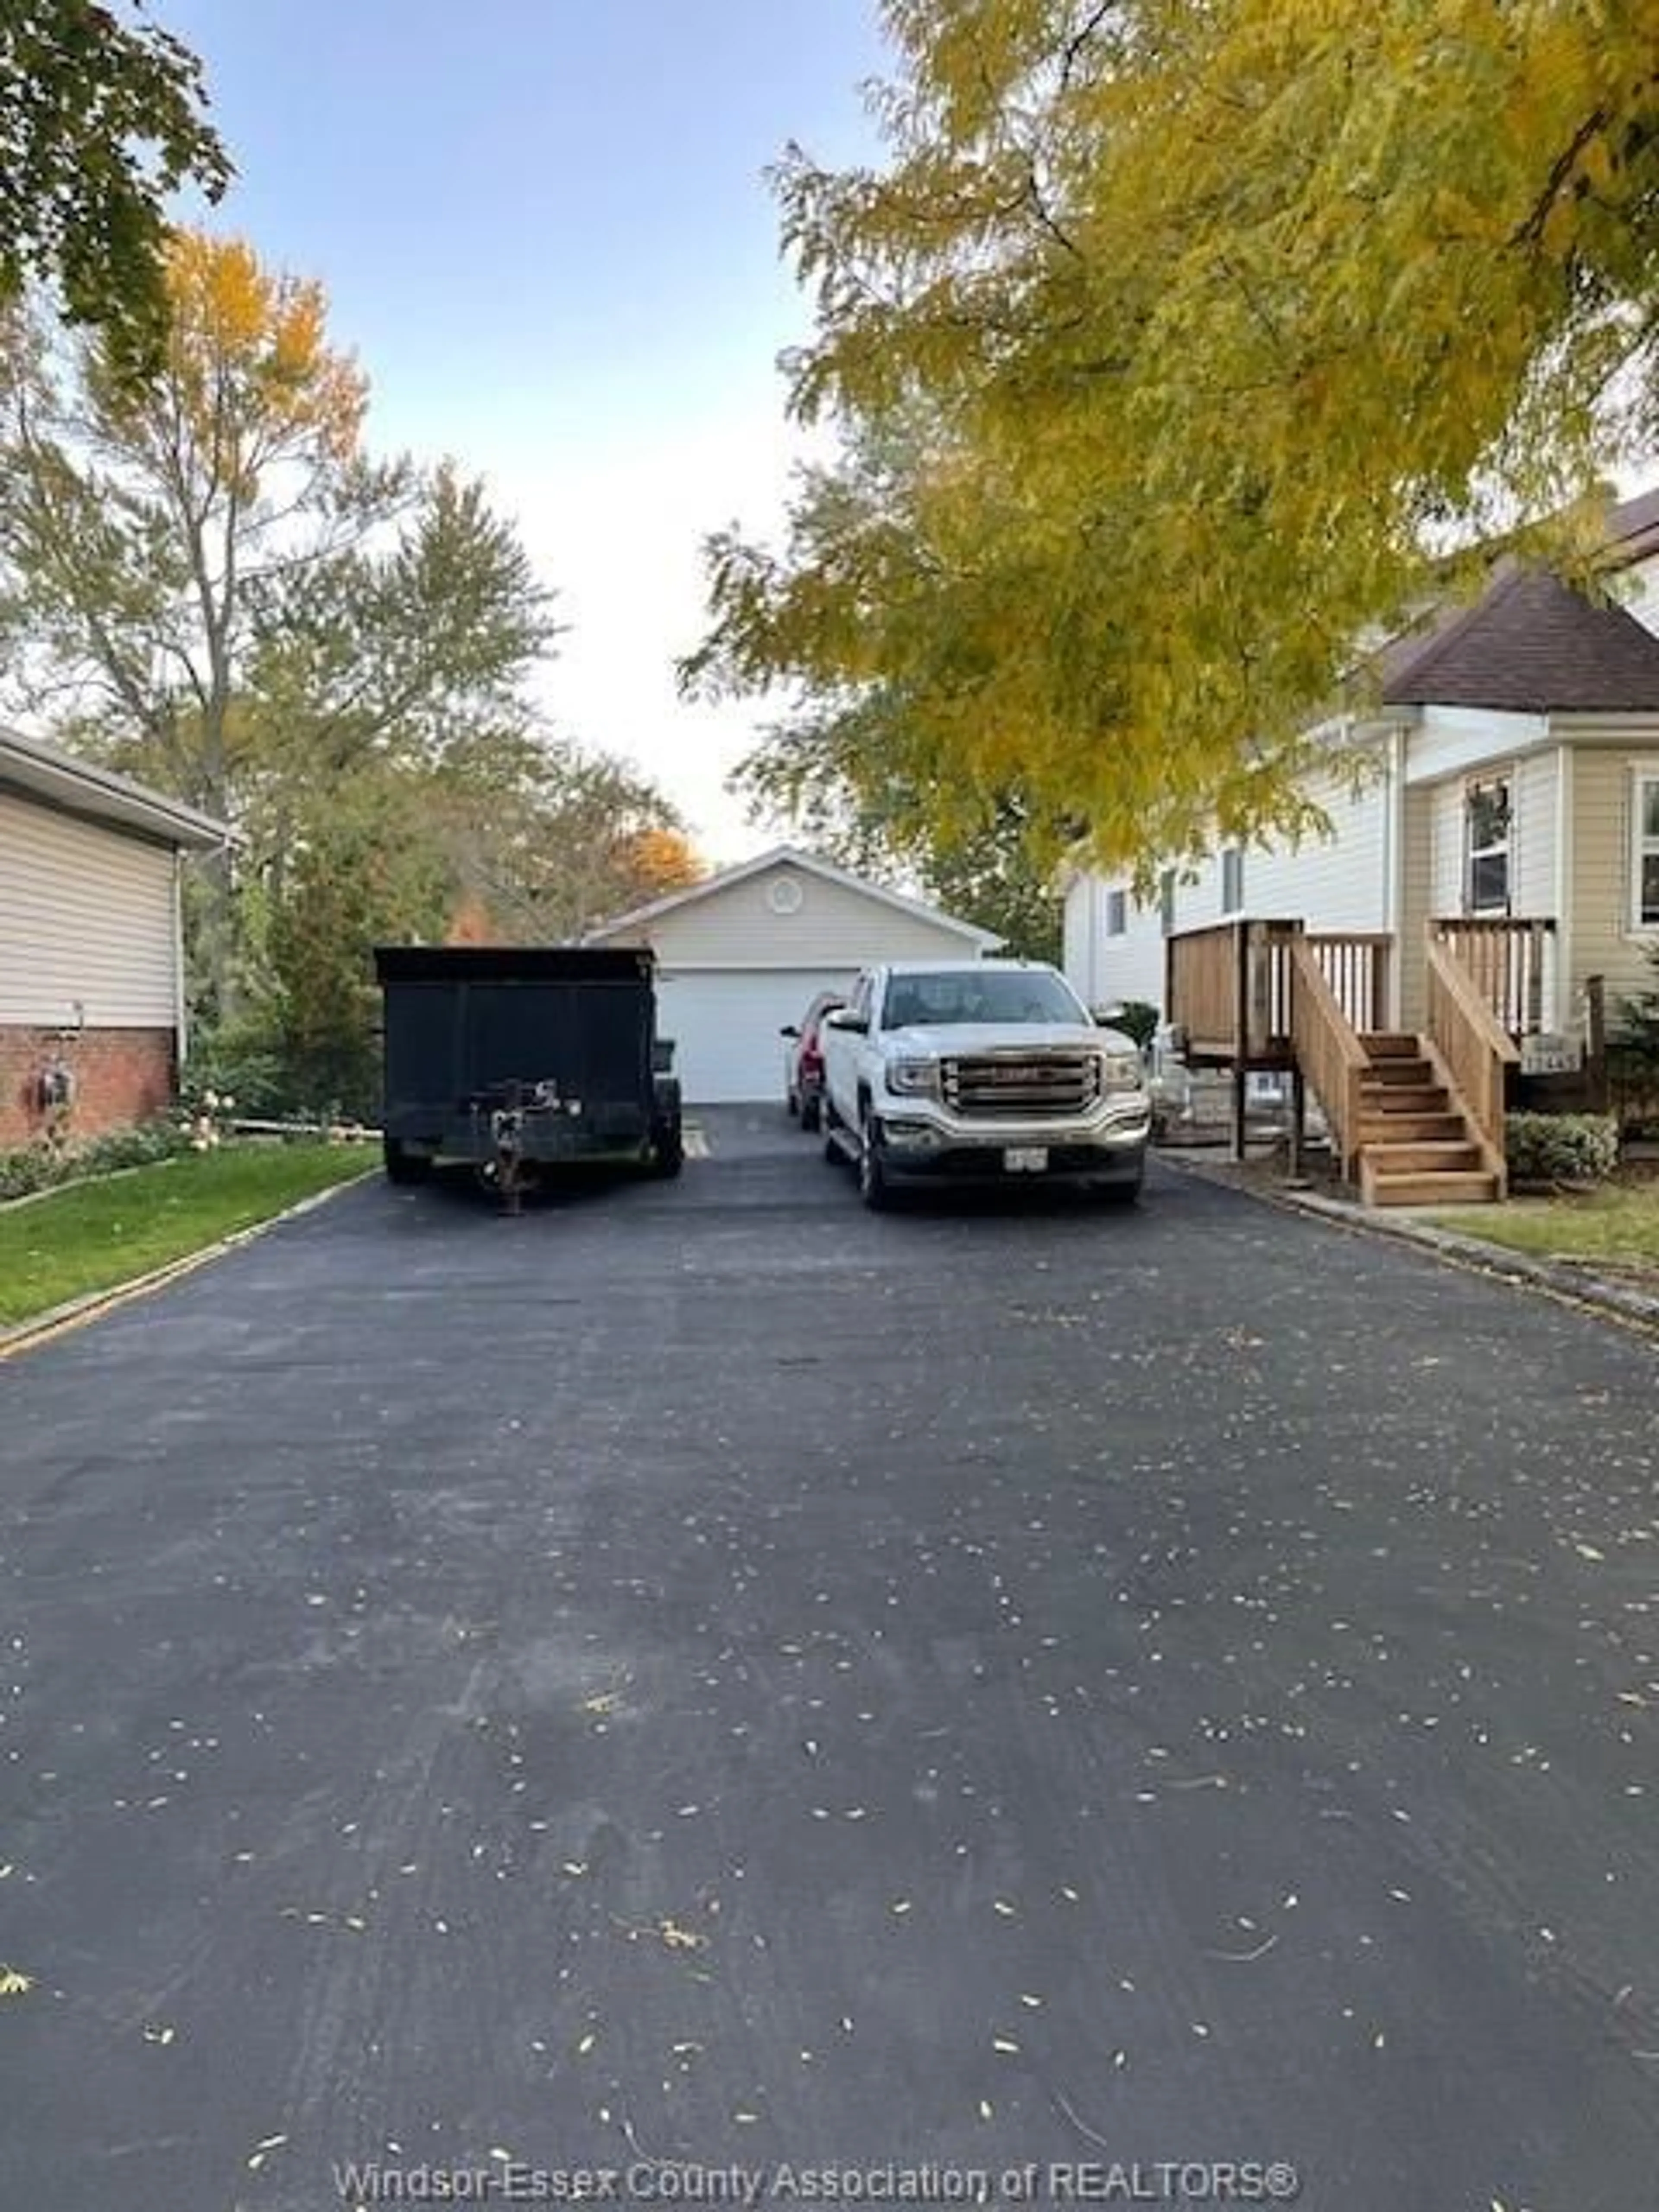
{"x":788,"y":1030}
{"x":845,"y":1018}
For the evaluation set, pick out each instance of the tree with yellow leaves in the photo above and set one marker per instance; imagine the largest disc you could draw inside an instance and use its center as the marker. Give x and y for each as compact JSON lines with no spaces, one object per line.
{"x":140,"y":525}
{"x":230,"y":597}
{"x":1183,"y":344}
{"x":659,"y":860}
{"x":102,"y":115}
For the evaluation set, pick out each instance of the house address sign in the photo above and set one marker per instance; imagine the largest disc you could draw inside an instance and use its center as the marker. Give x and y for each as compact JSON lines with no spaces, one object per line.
{"x":1551,"y":1054}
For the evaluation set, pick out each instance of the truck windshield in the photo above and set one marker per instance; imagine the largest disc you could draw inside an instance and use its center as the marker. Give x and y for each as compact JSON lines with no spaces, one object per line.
{"x":992,"y":995}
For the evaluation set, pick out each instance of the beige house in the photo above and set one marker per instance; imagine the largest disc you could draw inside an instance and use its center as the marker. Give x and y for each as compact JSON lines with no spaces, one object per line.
{"x":92,"y":1005}
{"x":744,"y":953}
{"x":1500,"y":802}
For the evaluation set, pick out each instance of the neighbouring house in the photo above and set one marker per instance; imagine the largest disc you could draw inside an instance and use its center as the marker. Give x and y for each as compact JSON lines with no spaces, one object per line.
{"x":92,"y":1001}
{"x":744,"y":953}
{"x":1494,"y":851}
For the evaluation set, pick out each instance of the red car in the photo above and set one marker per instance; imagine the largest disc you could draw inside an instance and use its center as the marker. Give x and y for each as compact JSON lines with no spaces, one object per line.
{"x":803,"y":1061}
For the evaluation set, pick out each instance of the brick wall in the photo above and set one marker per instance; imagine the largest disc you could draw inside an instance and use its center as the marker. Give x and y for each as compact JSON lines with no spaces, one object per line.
{"x":121,"y":1076}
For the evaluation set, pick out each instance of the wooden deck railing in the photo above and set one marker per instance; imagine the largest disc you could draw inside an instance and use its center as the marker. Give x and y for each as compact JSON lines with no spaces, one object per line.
{"x":1201,"y":991}
{"x":1328,"y":1051}
{"x":1355,"y":963}
{"x":1231,"y":988}
{"x":1476,"y":1051}
{"x":1507,"y":957}
{"x":1227,"y":988}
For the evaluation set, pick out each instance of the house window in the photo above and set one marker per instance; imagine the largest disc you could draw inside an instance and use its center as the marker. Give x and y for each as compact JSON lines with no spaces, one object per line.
{"x":1646,"y":856}
{"x":1166,"y":894}
{"x":1117,"y":911}
{"x":1487,"y":821}
{"x":1233,"y":880}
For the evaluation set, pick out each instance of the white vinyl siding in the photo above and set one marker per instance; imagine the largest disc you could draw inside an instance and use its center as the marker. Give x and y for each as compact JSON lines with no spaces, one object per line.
{"x":1077,"y":937}
{"x":1456,"y":740}
{"x":831,"y":927}
{"x":1113,"y":968}
{"x":1095,"y":919}
{"x":1447,"y":848}
{"x":1535,"y":797}
{"x":1534,"y":792}
{"x":1334,"y":881}
{"x":1418,"y":886}
{"x":87,"y":918}
{"x":1357,"y":879}
{"x":1436,"y":865}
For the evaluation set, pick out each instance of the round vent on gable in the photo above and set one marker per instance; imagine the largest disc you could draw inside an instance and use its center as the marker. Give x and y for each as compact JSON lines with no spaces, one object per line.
{"x":784,"y":895}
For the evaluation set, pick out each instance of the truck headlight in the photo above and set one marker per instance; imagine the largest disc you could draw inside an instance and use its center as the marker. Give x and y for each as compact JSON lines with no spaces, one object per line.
{"x":1121,"y":1071}
{"x":914,"y":1078}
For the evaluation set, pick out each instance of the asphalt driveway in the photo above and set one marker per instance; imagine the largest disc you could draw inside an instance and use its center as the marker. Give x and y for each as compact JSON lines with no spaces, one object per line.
{"x":703,"y":1683}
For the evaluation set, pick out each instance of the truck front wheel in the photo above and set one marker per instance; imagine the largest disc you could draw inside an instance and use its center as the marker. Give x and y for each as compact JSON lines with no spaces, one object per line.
{"x":873,"y":1187}
{"x":403,"y":1166}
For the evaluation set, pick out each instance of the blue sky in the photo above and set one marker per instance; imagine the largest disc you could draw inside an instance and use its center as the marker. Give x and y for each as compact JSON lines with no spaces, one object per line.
{"x":544,"y":232}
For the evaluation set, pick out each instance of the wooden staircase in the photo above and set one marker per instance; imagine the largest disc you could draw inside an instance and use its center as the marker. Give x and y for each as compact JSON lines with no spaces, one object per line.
{"x":1413,"y":1120}
{"x":1416,"y":1146}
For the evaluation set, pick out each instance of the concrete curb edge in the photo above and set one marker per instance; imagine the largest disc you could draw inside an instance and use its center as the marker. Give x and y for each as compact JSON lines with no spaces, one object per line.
{"x":1560,"y":1280}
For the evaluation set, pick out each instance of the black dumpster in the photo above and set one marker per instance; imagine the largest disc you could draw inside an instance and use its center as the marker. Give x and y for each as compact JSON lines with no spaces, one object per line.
{"x":518,"y":1060}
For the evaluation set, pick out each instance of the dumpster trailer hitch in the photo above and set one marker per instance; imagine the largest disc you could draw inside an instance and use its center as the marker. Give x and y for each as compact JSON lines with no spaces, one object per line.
{"x":506,"y":1167}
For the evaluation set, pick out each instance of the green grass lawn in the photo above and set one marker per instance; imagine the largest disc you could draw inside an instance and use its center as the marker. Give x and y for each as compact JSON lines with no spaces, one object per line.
{"x":93,"y":1236}
{"x":1620,"y":1224}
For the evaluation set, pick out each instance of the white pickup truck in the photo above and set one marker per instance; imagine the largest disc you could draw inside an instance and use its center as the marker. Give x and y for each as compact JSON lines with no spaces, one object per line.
{"x":980,"y":1071}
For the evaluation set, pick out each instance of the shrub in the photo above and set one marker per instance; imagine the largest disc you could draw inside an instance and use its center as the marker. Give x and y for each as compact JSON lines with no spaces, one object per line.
{"x":239,"y":1060}
{"x":43,"y":1167}
{"x":1561,"y":1147}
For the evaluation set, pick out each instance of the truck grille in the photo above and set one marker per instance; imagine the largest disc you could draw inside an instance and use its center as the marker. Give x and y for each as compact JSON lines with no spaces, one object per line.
{"x":1021,"y":1084}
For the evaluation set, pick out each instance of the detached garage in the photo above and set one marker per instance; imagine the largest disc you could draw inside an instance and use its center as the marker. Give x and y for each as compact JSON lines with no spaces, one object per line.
{"x":744,"y":952}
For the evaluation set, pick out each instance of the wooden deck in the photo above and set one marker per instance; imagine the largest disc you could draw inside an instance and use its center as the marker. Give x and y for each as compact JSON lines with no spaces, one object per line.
{"x":1231,"y":989}
{"x":1413,"y":1119}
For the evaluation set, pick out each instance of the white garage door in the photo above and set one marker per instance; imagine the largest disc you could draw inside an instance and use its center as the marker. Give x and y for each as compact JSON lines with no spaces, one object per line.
{"x":725,"y":1026}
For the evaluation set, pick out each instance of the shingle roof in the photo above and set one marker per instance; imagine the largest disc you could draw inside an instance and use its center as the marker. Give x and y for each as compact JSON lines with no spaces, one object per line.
{"x":1530,"y":644}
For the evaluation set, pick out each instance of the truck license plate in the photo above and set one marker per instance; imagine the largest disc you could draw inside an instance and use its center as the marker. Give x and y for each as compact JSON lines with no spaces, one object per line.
{"x":1025,"y":1159}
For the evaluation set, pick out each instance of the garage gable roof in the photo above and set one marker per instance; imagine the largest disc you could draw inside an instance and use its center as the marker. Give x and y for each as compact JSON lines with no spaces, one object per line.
{"x":809,"y":864}
{"x":40,"y":772}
